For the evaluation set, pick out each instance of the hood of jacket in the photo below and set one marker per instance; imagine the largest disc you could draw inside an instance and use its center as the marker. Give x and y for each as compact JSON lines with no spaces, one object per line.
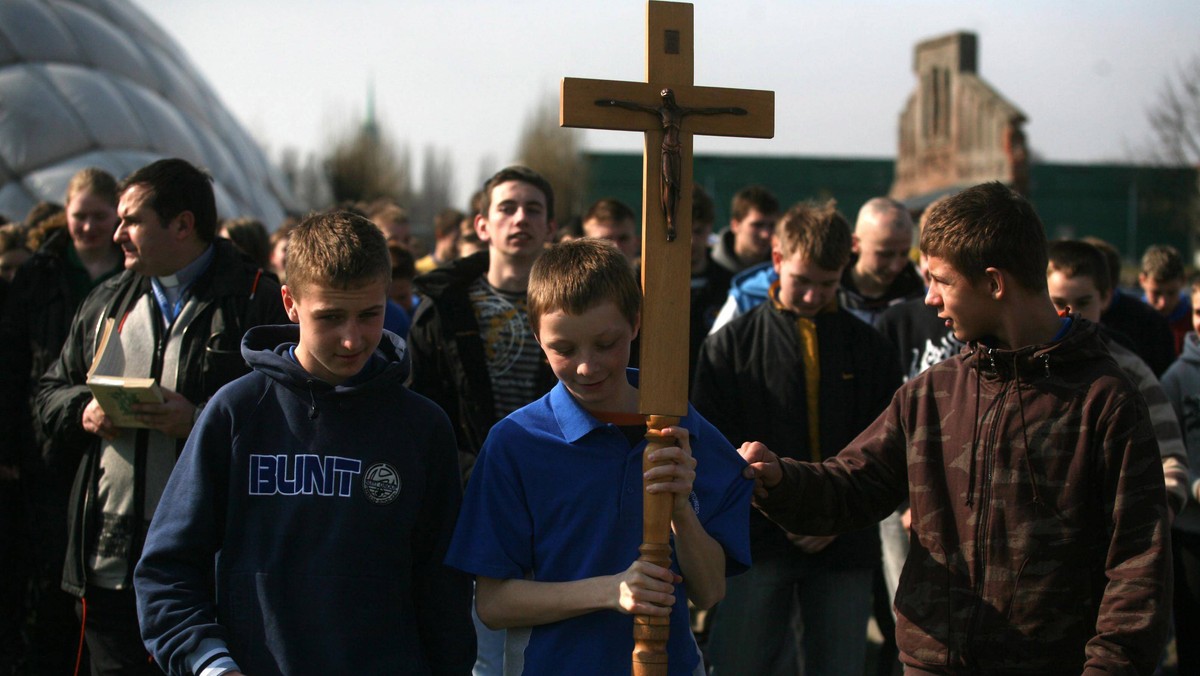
{"x":752,"y":286}
{"x":724,"y":254}
{"x":1081,"y":344}
{"x":265,"y":349}
{"x":1191,"y":349}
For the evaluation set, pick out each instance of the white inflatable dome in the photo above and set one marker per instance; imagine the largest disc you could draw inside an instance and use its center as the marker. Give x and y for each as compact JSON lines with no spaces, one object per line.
{"x":97,"y":83}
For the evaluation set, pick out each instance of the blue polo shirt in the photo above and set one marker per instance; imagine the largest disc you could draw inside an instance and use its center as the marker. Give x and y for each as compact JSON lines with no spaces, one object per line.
{"x":556,"y":496}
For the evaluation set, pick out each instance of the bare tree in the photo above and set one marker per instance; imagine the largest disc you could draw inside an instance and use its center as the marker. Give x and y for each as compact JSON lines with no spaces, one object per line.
{"x":1175,"y":117}
{"x":364,"y":164}
{"x":306,"y":179}
{"x":1175,"y":124}
{"x":557,"y":154}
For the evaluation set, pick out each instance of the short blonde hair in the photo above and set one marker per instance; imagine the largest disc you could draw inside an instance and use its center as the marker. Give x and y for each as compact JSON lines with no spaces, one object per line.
{"x":336,"y":249}
{"x":576,"y":276}
{"x":818,"y":232}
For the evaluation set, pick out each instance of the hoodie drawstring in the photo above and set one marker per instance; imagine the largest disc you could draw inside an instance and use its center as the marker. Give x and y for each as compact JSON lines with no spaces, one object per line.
{"x":1037,"y":498}
{"x":312,"y":412}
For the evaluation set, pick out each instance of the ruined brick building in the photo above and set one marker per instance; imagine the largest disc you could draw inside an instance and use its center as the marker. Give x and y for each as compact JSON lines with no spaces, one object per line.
{"x":955,"y":129}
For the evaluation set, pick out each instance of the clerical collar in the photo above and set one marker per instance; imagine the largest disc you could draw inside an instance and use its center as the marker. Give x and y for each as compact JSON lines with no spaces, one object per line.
{"x":184,"y":276}
{"x":170,"y":290}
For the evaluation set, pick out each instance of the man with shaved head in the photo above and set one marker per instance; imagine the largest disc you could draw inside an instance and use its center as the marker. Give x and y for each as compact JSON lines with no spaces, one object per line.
{"x":880,"y":274}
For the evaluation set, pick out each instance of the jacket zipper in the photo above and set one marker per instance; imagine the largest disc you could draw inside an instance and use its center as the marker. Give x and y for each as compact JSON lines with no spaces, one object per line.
{"x":985,"y":516}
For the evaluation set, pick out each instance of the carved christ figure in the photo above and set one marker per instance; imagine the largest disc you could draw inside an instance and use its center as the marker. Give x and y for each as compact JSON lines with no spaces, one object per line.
{"x":672,"y":117}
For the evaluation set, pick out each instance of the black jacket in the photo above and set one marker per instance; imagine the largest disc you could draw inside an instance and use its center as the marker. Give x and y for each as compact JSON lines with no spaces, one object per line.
{"x":36,"y":321}
{"x":750,"y":383}
{"x":921,"y":338}
{"x":449,"y":364}
{"x":235,"y":296}
{"x":1145,"y":327}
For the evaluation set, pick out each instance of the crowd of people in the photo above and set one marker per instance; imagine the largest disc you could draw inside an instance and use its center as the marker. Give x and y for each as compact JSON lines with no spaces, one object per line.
{"x":378,"y":455}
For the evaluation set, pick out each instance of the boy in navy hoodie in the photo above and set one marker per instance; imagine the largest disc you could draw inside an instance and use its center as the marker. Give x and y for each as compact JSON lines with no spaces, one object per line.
{"x":552,"y":518}
{"x":304,"y":526}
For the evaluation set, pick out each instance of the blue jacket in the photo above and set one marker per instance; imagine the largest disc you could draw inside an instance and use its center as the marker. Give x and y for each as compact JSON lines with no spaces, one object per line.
{"x":322,"y":514}
{"x":751,"y":286}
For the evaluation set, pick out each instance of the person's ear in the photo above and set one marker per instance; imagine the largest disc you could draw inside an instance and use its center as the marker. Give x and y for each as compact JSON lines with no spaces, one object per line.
{"x":184,"y":224}
{"x":481,"y":229}
{"x":855,"y":245}
{"x":289,"y":304}
{"x":997,"y":281}
{"x":637,"y":325}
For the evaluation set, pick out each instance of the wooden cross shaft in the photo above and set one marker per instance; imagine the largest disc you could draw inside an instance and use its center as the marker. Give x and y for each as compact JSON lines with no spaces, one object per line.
{"x":668,"y":109}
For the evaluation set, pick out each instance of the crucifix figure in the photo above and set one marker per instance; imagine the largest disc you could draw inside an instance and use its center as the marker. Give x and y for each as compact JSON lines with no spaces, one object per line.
{"x":666,"y":261}
{"x":672,"y":118}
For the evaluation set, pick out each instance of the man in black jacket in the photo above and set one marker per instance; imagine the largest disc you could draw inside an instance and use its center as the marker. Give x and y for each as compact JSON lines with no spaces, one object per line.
{"x":472,"y":349}
{"x":179,"y":312}
{"x":804,"y":372}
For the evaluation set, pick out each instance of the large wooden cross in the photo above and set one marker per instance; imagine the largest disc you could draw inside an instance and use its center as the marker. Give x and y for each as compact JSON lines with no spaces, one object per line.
{"x":669,"y":110}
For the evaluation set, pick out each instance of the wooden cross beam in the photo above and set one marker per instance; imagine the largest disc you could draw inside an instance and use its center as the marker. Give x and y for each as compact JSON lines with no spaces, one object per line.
{"x":669,"y":109}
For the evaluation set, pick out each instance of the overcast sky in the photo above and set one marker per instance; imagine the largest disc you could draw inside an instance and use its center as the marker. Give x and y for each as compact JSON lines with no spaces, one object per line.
{"x":462,"y":75}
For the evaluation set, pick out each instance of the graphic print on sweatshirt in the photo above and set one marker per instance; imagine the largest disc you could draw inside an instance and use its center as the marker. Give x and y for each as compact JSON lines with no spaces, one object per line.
{"x":305,"y":474}
{"x":324,"y":475}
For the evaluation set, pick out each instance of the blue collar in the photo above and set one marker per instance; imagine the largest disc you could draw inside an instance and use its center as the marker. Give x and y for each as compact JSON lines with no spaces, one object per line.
{"x":575,"y":421}
{"x":1063,"y":328}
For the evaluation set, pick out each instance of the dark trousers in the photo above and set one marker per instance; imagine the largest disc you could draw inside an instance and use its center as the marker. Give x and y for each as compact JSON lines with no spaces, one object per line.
{"x":1185,"y":550}
{"x":111,"y":631}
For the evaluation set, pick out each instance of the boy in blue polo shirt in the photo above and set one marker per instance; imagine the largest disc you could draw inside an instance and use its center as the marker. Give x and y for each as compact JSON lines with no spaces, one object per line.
{"x":304,"y":526}
{"x":552,"y":518}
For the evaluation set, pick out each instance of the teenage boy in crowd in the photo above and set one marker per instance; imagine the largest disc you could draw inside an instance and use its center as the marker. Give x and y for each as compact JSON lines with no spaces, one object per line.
{"x":1182,"y":385}
{"x":301,"y":531}
{"x":1039,"y":518}
{"x":612,"y":220}
{"x":1149,"y":331}
{"x":1078,"y":282}
{"x":553,"y":550}
{"x":1162,"y":279}
{"x":805,"y":376}
{"x":473,"y":352}
{"x":747,"y":241}
{"x":880,"y":273}
{"x":710,"y":282}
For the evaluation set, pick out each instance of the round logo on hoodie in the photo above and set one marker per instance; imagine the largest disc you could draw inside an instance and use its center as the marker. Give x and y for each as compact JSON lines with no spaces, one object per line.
{"x":381,"y":483}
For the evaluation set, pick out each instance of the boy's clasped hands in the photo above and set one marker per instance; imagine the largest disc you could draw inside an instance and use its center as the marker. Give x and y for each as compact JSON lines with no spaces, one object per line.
{"x":644,"y":588}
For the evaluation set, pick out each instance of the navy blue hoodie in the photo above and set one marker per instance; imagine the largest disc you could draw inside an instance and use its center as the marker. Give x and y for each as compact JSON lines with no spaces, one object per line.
{"x":322,"y":514}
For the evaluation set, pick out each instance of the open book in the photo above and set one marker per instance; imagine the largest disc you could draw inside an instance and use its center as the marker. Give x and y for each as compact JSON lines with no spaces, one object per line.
{"x":115,"y":393}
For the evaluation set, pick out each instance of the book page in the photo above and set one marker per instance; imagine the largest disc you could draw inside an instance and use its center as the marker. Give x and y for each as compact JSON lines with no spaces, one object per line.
{"x":110,"y":356}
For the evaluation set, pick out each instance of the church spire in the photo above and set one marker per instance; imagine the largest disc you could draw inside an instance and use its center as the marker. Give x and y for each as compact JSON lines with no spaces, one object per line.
{"x":370,"y":128}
